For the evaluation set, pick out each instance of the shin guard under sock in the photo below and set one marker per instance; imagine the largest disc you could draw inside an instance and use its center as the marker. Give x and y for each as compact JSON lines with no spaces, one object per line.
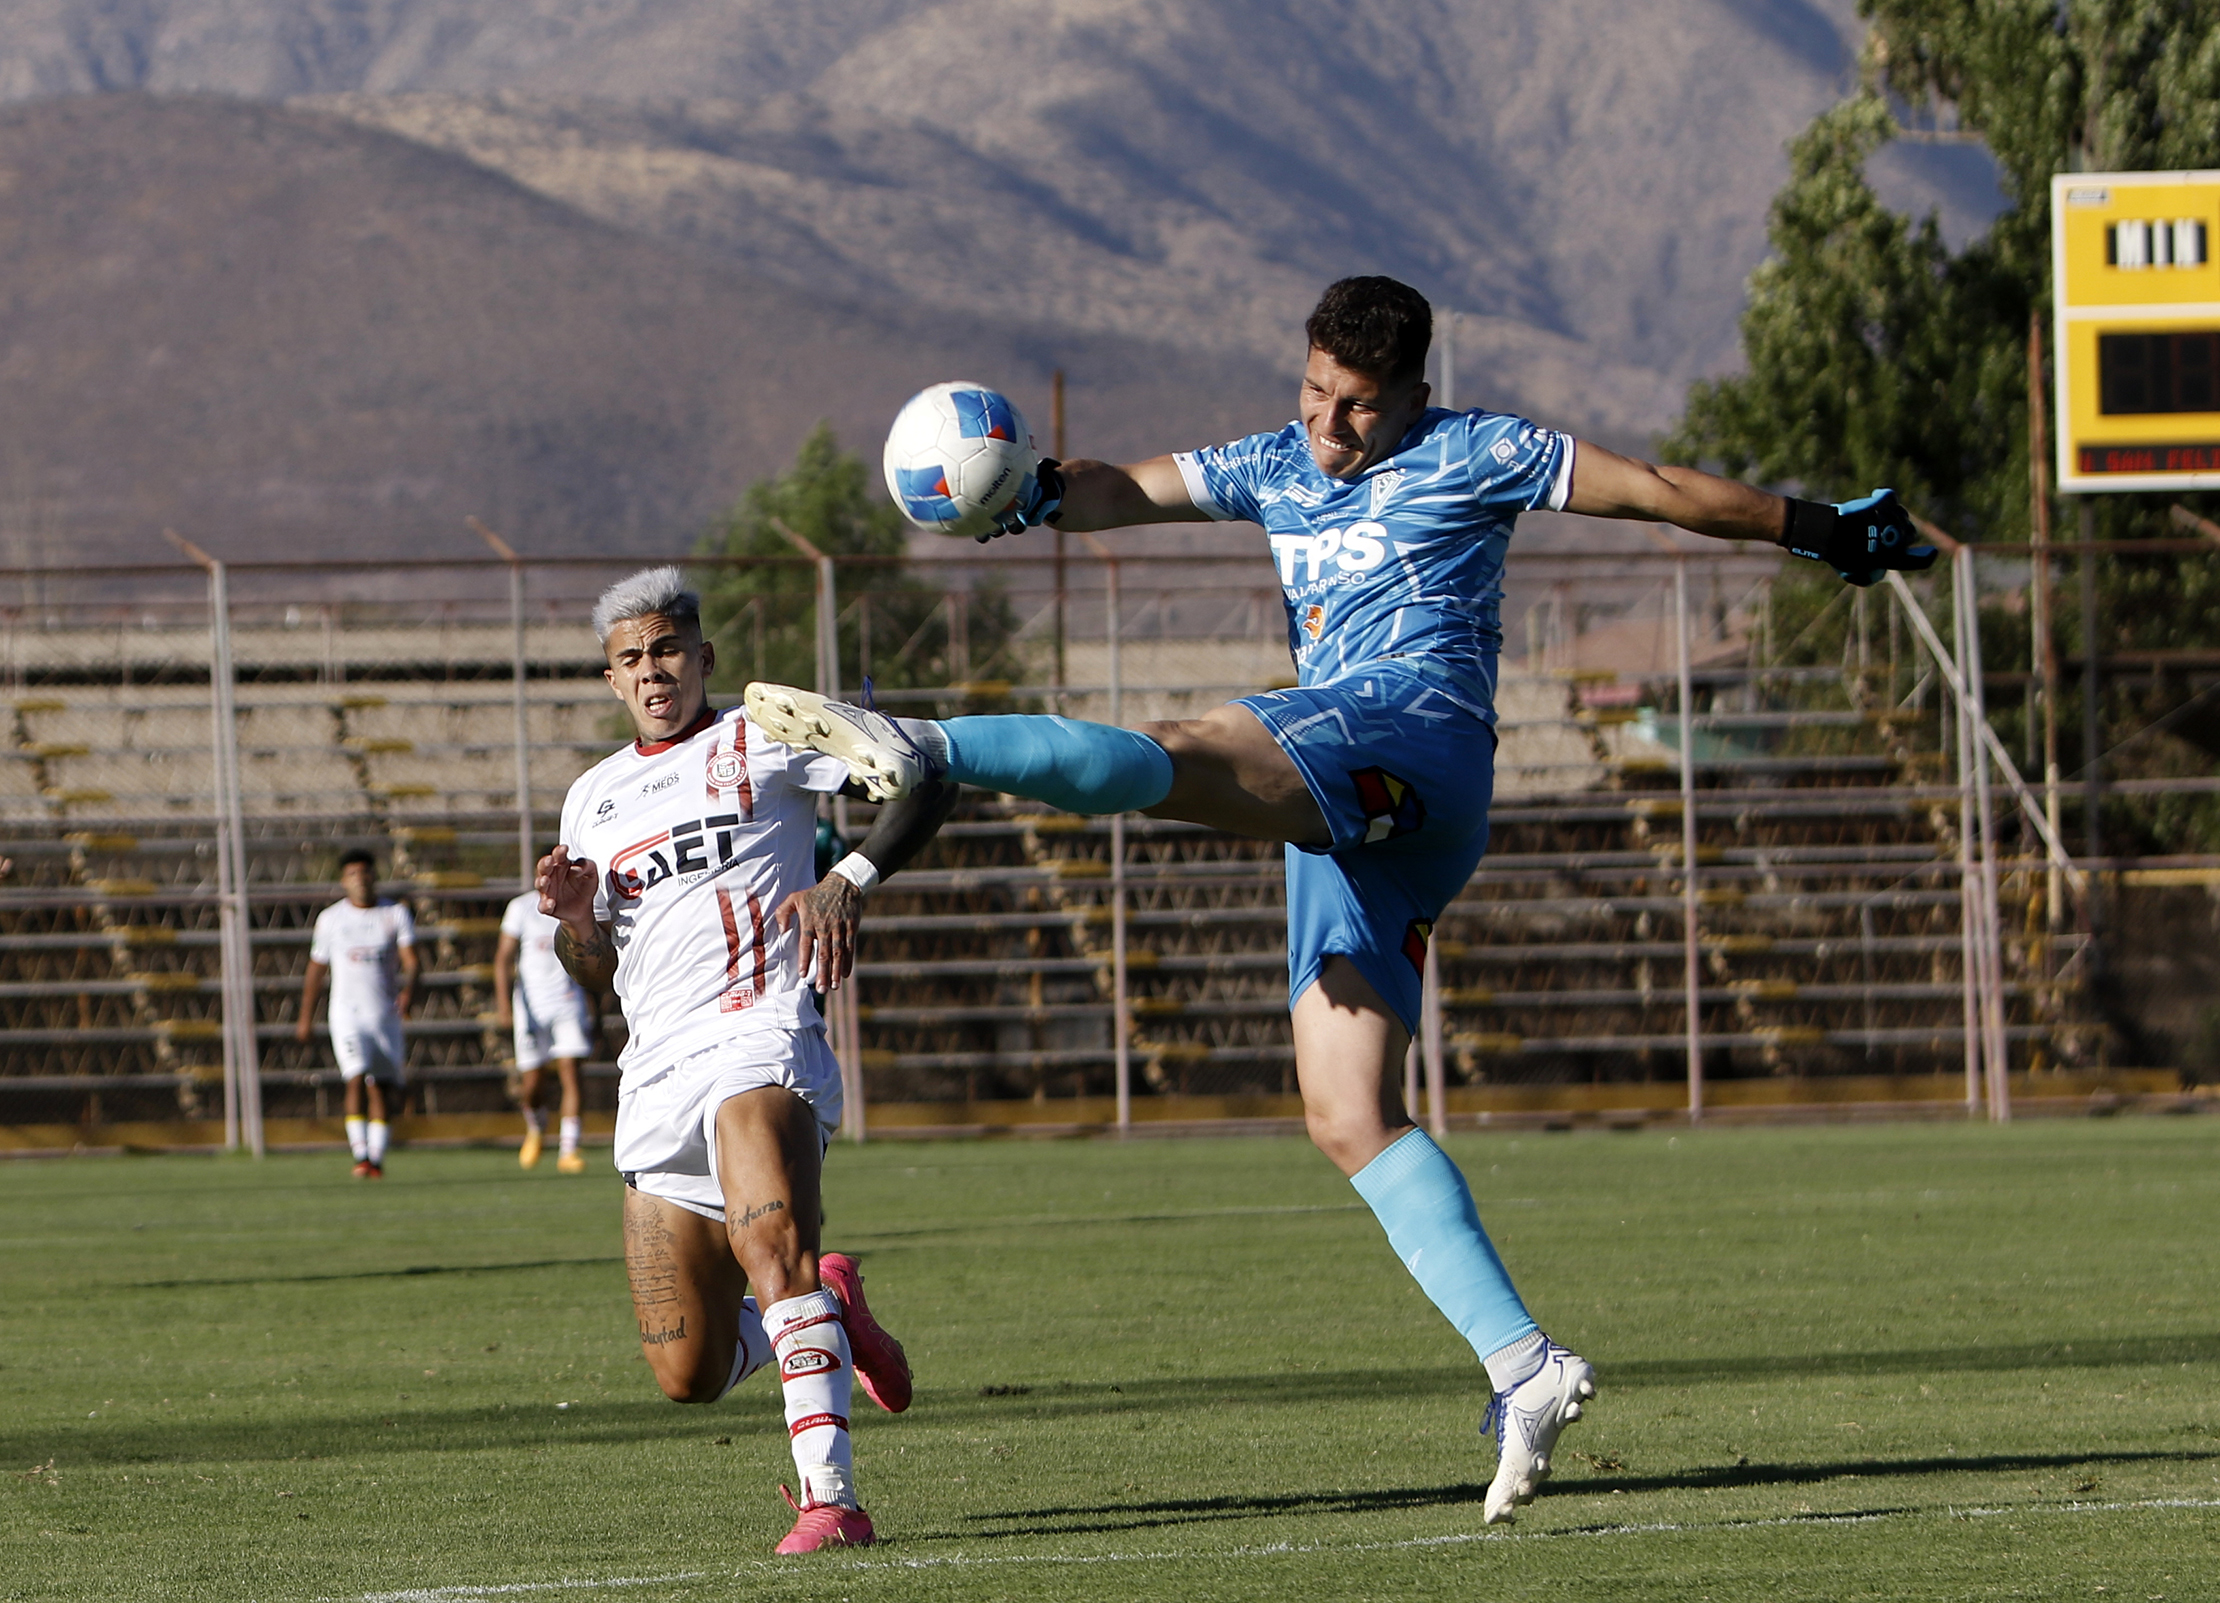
{"x":816,"y":1371}
{"x":1080,"y":767}
{"x":1422,"y":1201}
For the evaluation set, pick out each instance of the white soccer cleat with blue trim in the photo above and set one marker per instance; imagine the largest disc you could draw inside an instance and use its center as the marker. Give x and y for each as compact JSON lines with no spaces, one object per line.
{"x":1526,"y":1421}
{"x":880,"y":757}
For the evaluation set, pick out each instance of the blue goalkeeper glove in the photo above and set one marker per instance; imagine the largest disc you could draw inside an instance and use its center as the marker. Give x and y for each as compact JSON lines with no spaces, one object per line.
{"x":1037,"y":501}
{"x":1861,"y":539}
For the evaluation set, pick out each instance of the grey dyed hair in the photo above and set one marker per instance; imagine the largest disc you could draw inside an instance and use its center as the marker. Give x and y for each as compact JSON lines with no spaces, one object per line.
{"x":658,"y":590}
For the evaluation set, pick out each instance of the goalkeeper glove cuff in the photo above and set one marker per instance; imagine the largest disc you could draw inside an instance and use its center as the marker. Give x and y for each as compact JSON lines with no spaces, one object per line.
{"x":1860,"y":540}
{"x":1038,"y":500}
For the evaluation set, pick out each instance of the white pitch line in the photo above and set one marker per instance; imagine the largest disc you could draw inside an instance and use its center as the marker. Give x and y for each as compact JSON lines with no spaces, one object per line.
{"x":456,"y":1594}
{"x":448,"y":1594}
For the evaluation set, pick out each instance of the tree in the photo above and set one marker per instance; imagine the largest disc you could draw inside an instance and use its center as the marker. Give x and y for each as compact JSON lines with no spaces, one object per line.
{"x":893,"y":625}
{"x":1876,"y":356}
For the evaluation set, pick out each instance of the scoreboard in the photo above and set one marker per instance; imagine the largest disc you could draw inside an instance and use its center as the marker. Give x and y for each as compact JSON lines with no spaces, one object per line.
{"x":2136,"y":334}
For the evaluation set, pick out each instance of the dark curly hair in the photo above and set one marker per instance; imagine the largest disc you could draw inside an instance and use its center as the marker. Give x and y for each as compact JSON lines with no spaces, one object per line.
{"x":354,"y":855}
{"x":1374,"y":326}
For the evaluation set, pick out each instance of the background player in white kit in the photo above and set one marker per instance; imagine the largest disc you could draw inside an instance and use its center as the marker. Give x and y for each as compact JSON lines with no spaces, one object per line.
{"x":683,"y":881}
{"x":551,"y":1020}
{"x":367,"y":944}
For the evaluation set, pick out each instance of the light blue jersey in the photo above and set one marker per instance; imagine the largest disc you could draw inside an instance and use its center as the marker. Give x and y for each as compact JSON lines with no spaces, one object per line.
{"x":1405,"y":561}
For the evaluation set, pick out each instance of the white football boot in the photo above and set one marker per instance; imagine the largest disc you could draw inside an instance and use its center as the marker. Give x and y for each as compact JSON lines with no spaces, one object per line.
{"x":880,"y":757}
{"x":1526,"y":1421}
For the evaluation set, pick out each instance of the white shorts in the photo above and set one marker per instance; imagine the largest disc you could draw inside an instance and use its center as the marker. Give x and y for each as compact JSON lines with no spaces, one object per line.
{"x":667,"y":1122}
{"x":369,"y":1046}
{"x":564,"y":1033}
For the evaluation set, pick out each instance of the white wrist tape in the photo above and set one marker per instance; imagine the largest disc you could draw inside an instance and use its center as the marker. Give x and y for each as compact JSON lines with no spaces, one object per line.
{"x":858,"y":870}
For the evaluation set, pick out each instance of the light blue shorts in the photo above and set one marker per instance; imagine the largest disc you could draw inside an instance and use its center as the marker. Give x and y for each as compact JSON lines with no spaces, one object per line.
{"x":1404,"y":776}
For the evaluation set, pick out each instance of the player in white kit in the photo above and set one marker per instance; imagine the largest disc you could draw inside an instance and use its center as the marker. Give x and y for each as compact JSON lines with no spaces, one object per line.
{"x":367,"y":945}
{"x":551,"y":1019}
{"x":683,"y":880}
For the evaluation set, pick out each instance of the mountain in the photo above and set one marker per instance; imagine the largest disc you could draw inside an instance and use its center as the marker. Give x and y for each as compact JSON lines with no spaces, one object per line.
{"x":1587,"y":181}
{"x":277,"y":330}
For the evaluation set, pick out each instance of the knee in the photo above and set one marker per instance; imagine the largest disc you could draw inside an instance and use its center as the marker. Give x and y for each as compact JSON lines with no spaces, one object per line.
{"x":687,"y":1380}
{"x":1350,"y":1137}
{"x":1180,"y":737}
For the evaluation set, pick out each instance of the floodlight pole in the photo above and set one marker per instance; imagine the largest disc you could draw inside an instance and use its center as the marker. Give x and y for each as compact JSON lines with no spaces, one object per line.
{"x":1691,"y":952}
{"x":242,"y":1052}
{"x":526,"y":856}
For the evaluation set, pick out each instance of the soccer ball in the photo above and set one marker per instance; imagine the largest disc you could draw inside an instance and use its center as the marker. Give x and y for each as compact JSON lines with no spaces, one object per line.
{"x":958,"y":454}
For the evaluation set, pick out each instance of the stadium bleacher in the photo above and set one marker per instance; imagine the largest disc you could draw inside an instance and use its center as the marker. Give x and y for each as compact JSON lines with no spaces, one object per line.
{"x":1830,"y":911}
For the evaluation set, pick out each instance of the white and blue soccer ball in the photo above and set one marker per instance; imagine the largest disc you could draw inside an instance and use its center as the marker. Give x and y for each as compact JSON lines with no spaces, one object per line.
{"x":958,"y":455}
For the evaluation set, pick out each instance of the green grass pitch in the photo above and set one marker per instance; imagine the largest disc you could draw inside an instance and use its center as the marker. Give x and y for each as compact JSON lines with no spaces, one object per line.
{"x":1875,"y":1362}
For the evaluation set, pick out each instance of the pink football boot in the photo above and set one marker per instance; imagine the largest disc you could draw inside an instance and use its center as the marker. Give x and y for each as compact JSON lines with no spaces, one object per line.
{"x":880,"y":1362}
{"x":820,"y":1527}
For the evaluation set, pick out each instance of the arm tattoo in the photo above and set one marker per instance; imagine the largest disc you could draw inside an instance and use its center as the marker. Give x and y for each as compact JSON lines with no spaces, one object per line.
{"x":591,"y":962}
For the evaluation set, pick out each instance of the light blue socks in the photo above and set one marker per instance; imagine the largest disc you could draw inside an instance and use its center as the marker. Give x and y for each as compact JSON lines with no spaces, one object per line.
{"x":1080,"y":767}
{"x":1422,"y":1200}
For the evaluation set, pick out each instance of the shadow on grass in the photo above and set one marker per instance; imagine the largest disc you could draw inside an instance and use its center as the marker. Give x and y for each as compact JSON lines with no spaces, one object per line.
{"x":373,"y":1274}
{"x":354,"y":1431}
{"x":357,"y":1434}
{"x":1109,"y":1518}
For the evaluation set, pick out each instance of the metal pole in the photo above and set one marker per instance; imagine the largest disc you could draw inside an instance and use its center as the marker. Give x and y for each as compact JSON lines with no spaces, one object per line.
{"x":236,"y":934}
{"x":1992,"y":938}
{"x":526,"y":857}
{"x":1429,"y":1023}
{"x":1056,"y":440}
{"x":1970,"y":959}
{"x":1121,"y":1007}
{"x":242,"y":1053}
{"x":1449,"y":364}
{"x":2092,"y":749}
{"x":2046,"y":641}
{"x":1691,"y":954}
{"x":845,"y":1026}
{"x":219,"y":676}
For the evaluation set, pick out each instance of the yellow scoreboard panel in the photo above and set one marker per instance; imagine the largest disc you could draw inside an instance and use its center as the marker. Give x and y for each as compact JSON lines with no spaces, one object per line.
{"x":2137,"y":331}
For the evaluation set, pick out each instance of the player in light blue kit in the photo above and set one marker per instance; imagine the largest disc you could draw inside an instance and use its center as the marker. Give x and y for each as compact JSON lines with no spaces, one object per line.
{"x":1389,"y":520}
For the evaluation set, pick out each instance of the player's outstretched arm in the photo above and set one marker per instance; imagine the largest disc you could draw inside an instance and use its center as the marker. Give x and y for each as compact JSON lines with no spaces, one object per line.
{"x":1085,"y":494}
{"x":829,"y":910}
{"x":1859,"y":539}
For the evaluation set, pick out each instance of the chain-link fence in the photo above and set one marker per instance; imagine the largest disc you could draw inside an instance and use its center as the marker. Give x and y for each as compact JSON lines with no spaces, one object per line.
{"x":1734,"y":846}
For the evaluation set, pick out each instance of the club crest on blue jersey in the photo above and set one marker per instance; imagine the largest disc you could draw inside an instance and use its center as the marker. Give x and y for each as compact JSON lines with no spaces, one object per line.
{"x":925,"y":494}
{"x":983,"y":415}
{"x":1391,"y":804}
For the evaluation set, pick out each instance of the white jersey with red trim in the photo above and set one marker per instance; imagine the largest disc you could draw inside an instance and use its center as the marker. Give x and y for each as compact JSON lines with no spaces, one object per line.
{"x":698,"y":840}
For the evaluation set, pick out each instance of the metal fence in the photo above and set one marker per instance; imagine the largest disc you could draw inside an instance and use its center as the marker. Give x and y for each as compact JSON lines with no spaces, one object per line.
{"x":193,"y":743}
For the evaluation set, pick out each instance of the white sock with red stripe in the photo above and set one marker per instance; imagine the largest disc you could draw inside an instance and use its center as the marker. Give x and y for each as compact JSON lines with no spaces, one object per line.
{"x":753,"y":1350}
{"x":814,"y":1364}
